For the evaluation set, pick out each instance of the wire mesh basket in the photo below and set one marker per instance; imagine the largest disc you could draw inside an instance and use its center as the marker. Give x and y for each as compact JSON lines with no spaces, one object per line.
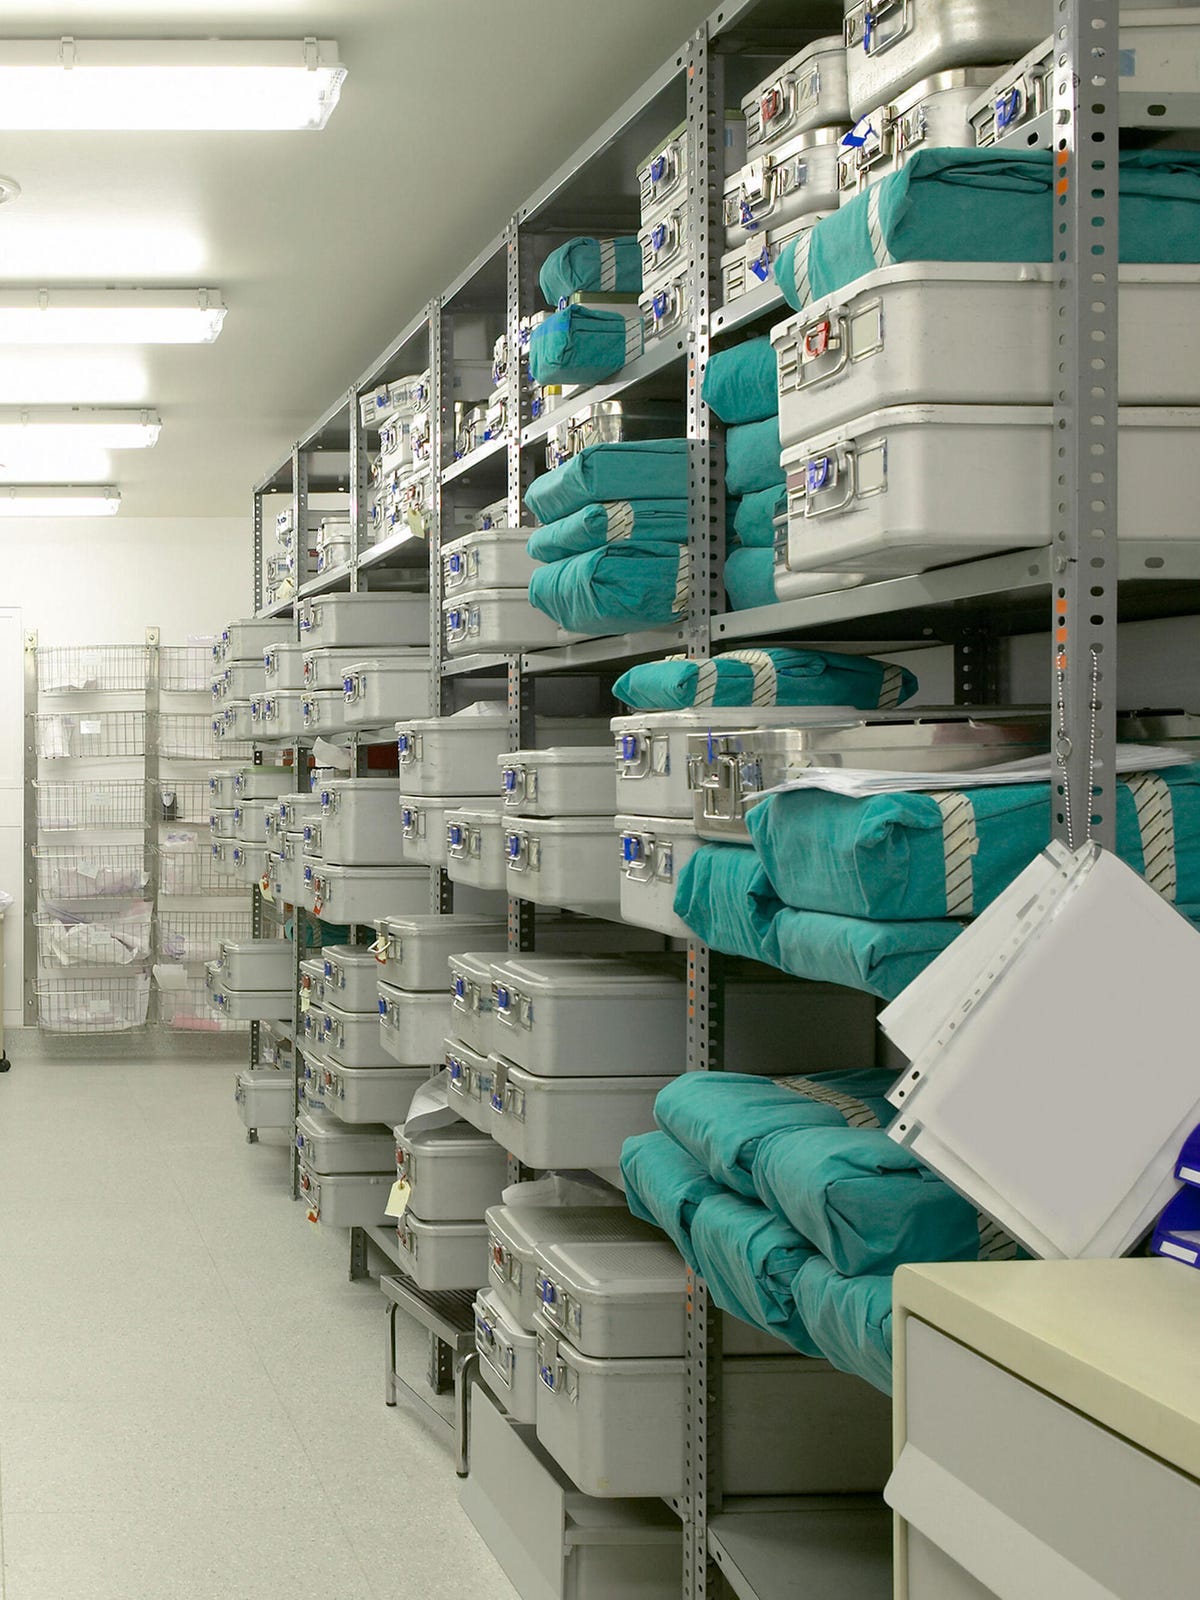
{"x":187,"y":1009}
{"x":91,"y":872}
{"x":191,"y":936}
{"x":185,"y":866}
{"x":184,"y":668}
{"x":104,"y":941}
{"x":101,"y":804}
{"x":182,"y":800}
{"x":93,"y":1005}
{"x":82,"y":735}
{"x":189,"y":736}
{"x":90,"y":669}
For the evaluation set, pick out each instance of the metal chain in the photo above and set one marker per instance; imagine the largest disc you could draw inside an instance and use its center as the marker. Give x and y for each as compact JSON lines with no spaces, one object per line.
{"x":1092,"y":721}
{"x":1063,"y":746}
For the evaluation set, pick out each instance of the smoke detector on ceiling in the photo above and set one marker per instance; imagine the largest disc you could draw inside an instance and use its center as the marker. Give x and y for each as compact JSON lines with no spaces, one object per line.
{"x":9,"y":189}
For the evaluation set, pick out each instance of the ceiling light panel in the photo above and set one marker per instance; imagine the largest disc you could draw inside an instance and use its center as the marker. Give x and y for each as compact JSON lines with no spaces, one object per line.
{"x":110,"y":316}
{"x":184,"y":85}
{"x":65,"y":427}
{"x":58,"y":500}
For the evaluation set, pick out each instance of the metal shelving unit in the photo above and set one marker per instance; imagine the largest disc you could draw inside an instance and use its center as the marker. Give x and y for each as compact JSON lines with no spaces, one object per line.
{"x":1077,"y":589}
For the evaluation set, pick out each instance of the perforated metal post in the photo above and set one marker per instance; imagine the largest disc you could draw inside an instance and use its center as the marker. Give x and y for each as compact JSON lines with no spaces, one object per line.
{"x":300,"y":513}
{"x":30,"y":863}
{"x":520,"y":737}
{"x":1084,"y":507}
{"x":360,"y":457}
{"x":441,"y":889}
{"x":977,"y":679}
{"x":258,"y":551}
{"x":152,"y":771}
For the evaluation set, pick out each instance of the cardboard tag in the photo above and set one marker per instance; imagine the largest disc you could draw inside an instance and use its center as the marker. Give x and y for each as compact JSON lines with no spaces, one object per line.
{"x":398,"y":1199}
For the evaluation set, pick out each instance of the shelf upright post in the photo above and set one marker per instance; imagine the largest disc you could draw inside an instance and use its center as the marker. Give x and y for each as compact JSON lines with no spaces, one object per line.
{"x":31,"y":829}
{"x":1084,"y":508}
{"x":706,"y":540}
{"x":360,"y":457}
{"x":441,"y":343}
{"x":300,"y":513}
{"x":259,"y":586}
{"x":300,"y":753}
{"x":151,"y":774}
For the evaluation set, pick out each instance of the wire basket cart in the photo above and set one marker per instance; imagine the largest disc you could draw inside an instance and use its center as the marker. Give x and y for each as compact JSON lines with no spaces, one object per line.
{"x":91,"y":872}
{"x":181,"y":800}
{"x":88,"y":736}
{"x":188,"y":937}
{"x":104,"y":805}
{"x":93,"y":1005}
{"x":65,"y":940}
{"x":185,"y":668}
{"x":93,"y":669}
{"x":189,"y":1010}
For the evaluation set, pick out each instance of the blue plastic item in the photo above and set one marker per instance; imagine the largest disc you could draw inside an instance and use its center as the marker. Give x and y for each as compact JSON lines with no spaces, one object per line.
{"x":647,"y":469}
{"x":641,"y":521}
{"x":619,"y":587}
{"x":592,"y":266}
{"x":752,"y":454}
{"x":802,"y":678}
{"x":1187,"y":1168}
{"x":581,"y":344}
{"x":749,"y":1260}
{"x":1177,"y":1231}
{"x":741,"y":384}
{"x":849,"y":1319}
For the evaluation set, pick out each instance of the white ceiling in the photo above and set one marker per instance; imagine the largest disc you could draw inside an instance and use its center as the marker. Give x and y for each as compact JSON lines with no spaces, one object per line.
{"x":323,"y":244}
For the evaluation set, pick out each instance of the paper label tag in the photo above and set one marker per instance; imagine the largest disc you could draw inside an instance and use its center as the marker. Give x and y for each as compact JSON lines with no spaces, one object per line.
{"x":305,"y":1001}
{"x":398,"y":1199}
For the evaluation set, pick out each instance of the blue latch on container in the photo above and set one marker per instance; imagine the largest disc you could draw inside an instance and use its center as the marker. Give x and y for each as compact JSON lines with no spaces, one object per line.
{"x":868,"y":29}
{"x":657,"y":167}
{"x":660,"y":305}
{"x":329,"y":969}
{"x":629,"y":746}
{"x":514,"y":846}
{"x":1007,"y":107}
{"x":659,"y":236}
{"x":510,"y":779}
{"x":746,"y":214}
{"x":455,"y":833}
{"x":454,"y":1067}
{"x":858,"y":134}
{"x":497,"y":1100}
{"x":761,"y":265}
{"x":502,"y":997}
{"x":383,"y":1008}
{"x":548,"y":1292}
{"x":456,"y":563}
{"x":406,"y":816}
{"x":817,"y":475}
{"x":631,"y":847}
{"x":460,"y":988}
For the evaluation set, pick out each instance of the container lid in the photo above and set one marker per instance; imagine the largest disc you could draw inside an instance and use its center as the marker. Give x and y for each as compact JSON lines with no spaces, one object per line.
{"x":477,"y":815}
{"x":478,"y":963}
{"x":348,"y":955}
{"x":312,"y":967}
{"x":310,"y":1127}
{"x":358,"y":785}
{"x":412,"y":658}
{"x":484,"y":713}
{"x":444,"y":1230}
{"x":613,"y":1368}
{"x":573,"y":976}
{"x":463,"y":1052}
{"x":250,"y":947}
{"x":584,"y":755}
{"x":676,"y":827}
{"x":434,"y":998}
{"x":523,"y":1228}
{"x":495,"y":535}
{"x":329,"y":869}
{"x":601,"y":823}
{"x":456,"y":923}
{"x":436,"y":802}
{"x":455,"y":1136}
{"x":635,"y":1269}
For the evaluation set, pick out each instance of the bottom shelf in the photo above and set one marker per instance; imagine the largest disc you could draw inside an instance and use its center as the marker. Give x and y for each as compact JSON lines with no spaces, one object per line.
{"x":820,"y":1550}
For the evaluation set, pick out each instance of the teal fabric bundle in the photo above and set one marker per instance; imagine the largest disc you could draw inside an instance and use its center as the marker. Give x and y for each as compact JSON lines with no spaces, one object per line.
{"x":986,"y":205}
{"x":592,"y":266}
{"x":880,"y":957}
{"x":849,"y":1319}
{"x":619,"y":587}
{"x":580,"y":344}
{"x":664,"y":1185}
{"x":720,"y":1118}
{"x":647,"y":469}
{"x":914,"y":856}
{"x":654,"y":521}
{"x":794,"y":678}
{"x":754,"y":519}
{"x":741,"y":384}
{"x":866,"y":1203}
{"x":752,"y":457}
{"x":750,"y":578}
{"x":749,"y":1259}
{"x":726,"y":898}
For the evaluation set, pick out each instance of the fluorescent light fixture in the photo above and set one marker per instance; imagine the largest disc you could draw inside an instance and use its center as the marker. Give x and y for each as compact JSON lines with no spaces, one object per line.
{"x":189,"y":85}
{"x":90,"y":375}
{"x":58,"y":500}
{"x":69,"y":427}
{"x":110,"y":316}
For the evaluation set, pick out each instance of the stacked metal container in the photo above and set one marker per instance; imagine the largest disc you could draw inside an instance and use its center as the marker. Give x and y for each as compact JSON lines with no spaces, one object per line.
{"x":400,"y":473}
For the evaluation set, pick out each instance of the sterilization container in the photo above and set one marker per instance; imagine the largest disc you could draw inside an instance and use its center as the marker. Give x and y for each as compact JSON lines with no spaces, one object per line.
{"x":240,"y":680}
{"x":364,"y":894}
{"x":662,"y":176}
{"x":457,"y":755}
{"x":221,"y":822}
{"x":518,"y":1233}
{"x":280,"y":716}
{"x":262,"y":783}
{"x":934,"y":113}
{"x":731,"y":771}
{"x":413,"y":952}
{"x":1159,"y":72}
{"x":611,"y":422}
{"x":892,"y":45}
{"x":379,"y":690}
{"x":283,"y":666}
{"x":395,"y":443}
{"x":442,"y":1255}
{"x":222,"y":791}
{"x":665,"y":242}
{"x":569,"y":1122}
{"x":454,"y":1173}
{"x":249,"y":863}
{"x":563,"y":861}
{"x":497,"y":619}
{"x":914,"y":486}
{"x":491,"y":559}
{"x":330,"y":1147}
{"x":250,"y":821}
{"x":507,"y":1357}
{"x":410,"y":1025}
{"x":472,"y":1014}
{"x":589,"y":1016}
{"x":222,"y":856}
{"x":368,"y":620}
{"x":291,"y":868}
{"x":752,"y":263}
{"x":246,"y":640}
{"x":470,"y":1077}
{"x":969,"y":332}
{"x":794,"y":179}
{"x":360,"y":822}
{"x":325,"y":713}
{"x":297,"y":808}
{"x":558,"y":783}
{"x":371,"y":1094}
{"x":312,"y":981}
{"x":494,"y":515}
{"x":653,"y":852}
{"x":312,"y":1082}
{"x":808,"y":91}
{"x":614,"y":1300}
{"x":234,"y":721}
{"x":351,"y":977}
{"x":245,"y":1005}
{"x":475,"y":846}
{"x":352,"y":1037}
{"x":255,"y":963}
{"x":346,"y":1199}
{"x":664,"y":306}
{"x":423,"y":827}
{"x":265,"y":1097}
{"x":327,"y":669}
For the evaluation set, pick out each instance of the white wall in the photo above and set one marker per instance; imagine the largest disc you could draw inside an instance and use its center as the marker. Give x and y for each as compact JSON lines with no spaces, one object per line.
{"x":101,"y":581}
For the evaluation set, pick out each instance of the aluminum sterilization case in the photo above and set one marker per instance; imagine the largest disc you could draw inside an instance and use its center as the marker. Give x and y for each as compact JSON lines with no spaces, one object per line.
{"x":457,"y":755}
{"x":250,"y":820}
{"x":497,"y":619}
{"x":492,"y":558}
{"x":469,"y":1080}
{"x":364,"y":894}
{"x":653,"y":852}
{"x":411,"y":1025}
{"x":475,"y":846}
{"x":614,"y":1300}
{"x":352,"y":977}
{"x":934,"y":113}
{"x":245,"y":640}
{"x":915,"y":486}
{"x":563,"y":861}
{"x":569,"y":1122}
{"x":360,"y":822}
{"x":807,"y":91}
{"x":380,"y":689}
{"x":245,"y":1005}
{"x":364,"y":620}
{"x":327,"y":668}
{"x":262,"y":783}
{"x":972,"y":332}
{"x":414,"y":952}
{"x":327,"y":1146}
{"x":558,"y":782}
{"x":517,"y":1233}
{"x":254,"y":963}
{"x":423,"y":826}
{"x":371,"y":1094}
{"x":283,"y":666}
{"x":454,"y":1173}
{"x":265,"y":1097}
{"x":442,"y":1255}
{"x":472,"y":1014}
{"x":507,"y":1357}
{"x":323,"y":712}
{"x":352,"y":1038}
{"x":347,"y":1199}
{"x":783,"y":184}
